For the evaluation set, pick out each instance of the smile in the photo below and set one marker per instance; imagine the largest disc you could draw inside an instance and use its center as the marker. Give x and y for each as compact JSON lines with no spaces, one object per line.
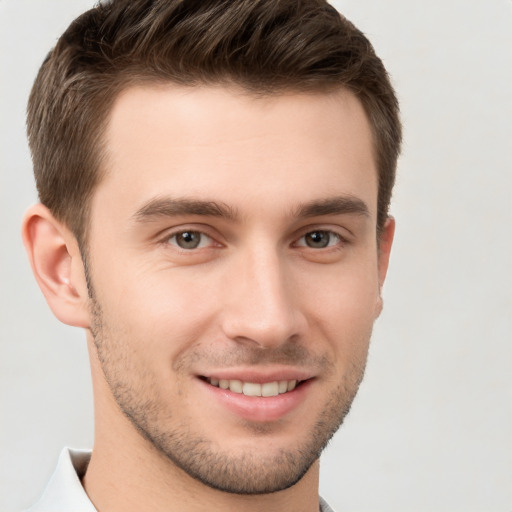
{"x":254,"y":389}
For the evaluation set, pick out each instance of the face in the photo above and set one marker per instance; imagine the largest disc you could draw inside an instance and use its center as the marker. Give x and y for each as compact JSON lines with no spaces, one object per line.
{"x":235,"y":276}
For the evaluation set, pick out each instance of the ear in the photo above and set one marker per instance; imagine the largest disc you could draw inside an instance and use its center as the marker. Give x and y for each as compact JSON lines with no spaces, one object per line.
{"x":384,"y":250}
{"x":57,"y":265}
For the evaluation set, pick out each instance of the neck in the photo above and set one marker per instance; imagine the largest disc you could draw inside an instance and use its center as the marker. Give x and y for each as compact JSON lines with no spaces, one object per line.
{"x":126,"y":483}
{"x":124,"y":477}
{"x":127,"y":473}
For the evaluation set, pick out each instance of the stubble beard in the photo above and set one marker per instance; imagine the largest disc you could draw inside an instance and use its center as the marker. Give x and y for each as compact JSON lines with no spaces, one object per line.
{"x":248,"y":473}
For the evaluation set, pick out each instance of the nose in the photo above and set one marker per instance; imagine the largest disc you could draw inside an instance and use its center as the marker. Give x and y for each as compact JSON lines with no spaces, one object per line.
{"x":261,"y":306}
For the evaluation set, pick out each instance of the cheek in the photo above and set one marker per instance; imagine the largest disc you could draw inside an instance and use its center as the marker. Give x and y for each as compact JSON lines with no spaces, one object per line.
{"x":343,"y":308}
{"x":162,"y":312}
{"x":342,"y":293}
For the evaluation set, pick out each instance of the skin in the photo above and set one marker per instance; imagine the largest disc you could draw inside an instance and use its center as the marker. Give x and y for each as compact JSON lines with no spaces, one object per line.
{"x":259,"y":299}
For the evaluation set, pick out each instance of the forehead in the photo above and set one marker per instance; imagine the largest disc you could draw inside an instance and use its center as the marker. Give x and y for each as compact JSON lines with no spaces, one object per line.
{"x":221,"y":143}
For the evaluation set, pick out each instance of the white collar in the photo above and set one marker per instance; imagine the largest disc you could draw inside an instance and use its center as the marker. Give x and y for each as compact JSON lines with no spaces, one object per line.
{"x":64,"y":490}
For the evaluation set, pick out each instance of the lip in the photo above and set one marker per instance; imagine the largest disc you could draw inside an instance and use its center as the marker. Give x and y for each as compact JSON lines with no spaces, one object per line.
{"x":259,"y":376}
{"x":259,"y":409}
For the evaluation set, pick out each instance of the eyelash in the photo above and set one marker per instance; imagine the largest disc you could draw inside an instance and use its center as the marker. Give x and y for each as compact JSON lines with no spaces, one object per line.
{"x":330,"y":234}
{"x":183,"y":232}
{"x":338,"y":239}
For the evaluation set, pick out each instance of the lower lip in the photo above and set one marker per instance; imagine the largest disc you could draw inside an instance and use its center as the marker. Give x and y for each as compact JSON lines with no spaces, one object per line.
{"x":260,"y":409}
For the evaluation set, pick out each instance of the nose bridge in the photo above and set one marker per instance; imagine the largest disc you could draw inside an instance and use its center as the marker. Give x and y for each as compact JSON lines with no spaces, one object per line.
{"x":262,"y":307}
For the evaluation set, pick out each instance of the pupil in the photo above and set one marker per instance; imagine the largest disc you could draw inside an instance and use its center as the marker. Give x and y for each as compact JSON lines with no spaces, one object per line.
{"x":317,"y":239}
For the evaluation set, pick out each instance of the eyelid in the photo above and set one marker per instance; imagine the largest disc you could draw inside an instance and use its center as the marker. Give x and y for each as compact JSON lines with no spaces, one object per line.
{"x":335,"y":241}
{"x":342,"y":234}
{"x":204,"y":240}
{"x":166,"y":235}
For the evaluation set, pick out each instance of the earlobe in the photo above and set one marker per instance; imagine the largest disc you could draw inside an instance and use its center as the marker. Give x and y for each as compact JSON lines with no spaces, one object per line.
{"x":56,"y":262}
{"x":385,"y":243}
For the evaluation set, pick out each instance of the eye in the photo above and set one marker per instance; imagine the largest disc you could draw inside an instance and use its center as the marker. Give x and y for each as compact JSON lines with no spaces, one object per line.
{"x":189,"y":240}
{"x":319,"y":239}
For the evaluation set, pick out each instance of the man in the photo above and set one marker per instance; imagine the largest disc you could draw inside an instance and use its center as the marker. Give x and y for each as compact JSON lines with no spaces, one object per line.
{"x":214,"y":179}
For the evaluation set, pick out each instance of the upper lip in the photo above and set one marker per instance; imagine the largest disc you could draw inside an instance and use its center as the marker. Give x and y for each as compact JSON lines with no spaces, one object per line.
{"x":258,"y":375}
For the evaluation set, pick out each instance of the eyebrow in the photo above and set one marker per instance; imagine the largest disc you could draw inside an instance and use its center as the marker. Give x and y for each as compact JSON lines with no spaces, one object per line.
{"x":340,"y":205}
{"x":170,"y":207}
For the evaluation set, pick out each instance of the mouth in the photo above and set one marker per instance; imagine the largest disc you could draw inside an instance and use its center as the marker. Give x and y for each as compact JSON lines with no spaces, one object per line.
{"x":260,"y":398}
{"x":265,"y":389}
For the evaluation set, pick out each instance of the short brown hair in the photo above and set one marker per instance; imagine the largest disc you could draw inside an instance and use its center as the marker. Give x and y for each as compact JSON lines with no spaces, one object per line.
{"x":265,"y":46}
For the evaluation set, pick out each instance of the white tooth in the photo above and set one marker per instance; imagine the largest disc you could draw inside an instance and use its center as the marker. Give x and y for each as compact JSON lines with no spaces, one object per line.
{"x":223,"y":383}
{"x":270,"y":389}
{"x":214,"y":381}
{"x":291,"y":385}
{"x":283,"y":386}
{"x":235,"y":386}
{"x":251,"y":389}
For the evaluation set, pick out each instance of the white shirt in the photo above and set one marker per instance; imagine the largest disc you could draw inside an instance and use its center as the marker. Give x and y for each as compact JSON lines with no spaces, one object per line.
{"x":64,"y":492}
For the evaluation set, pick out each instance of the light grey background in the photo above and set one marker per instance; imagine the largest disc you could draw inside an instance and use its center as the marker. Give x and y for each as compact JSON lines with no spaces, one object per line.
{"x":432,"y":427}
